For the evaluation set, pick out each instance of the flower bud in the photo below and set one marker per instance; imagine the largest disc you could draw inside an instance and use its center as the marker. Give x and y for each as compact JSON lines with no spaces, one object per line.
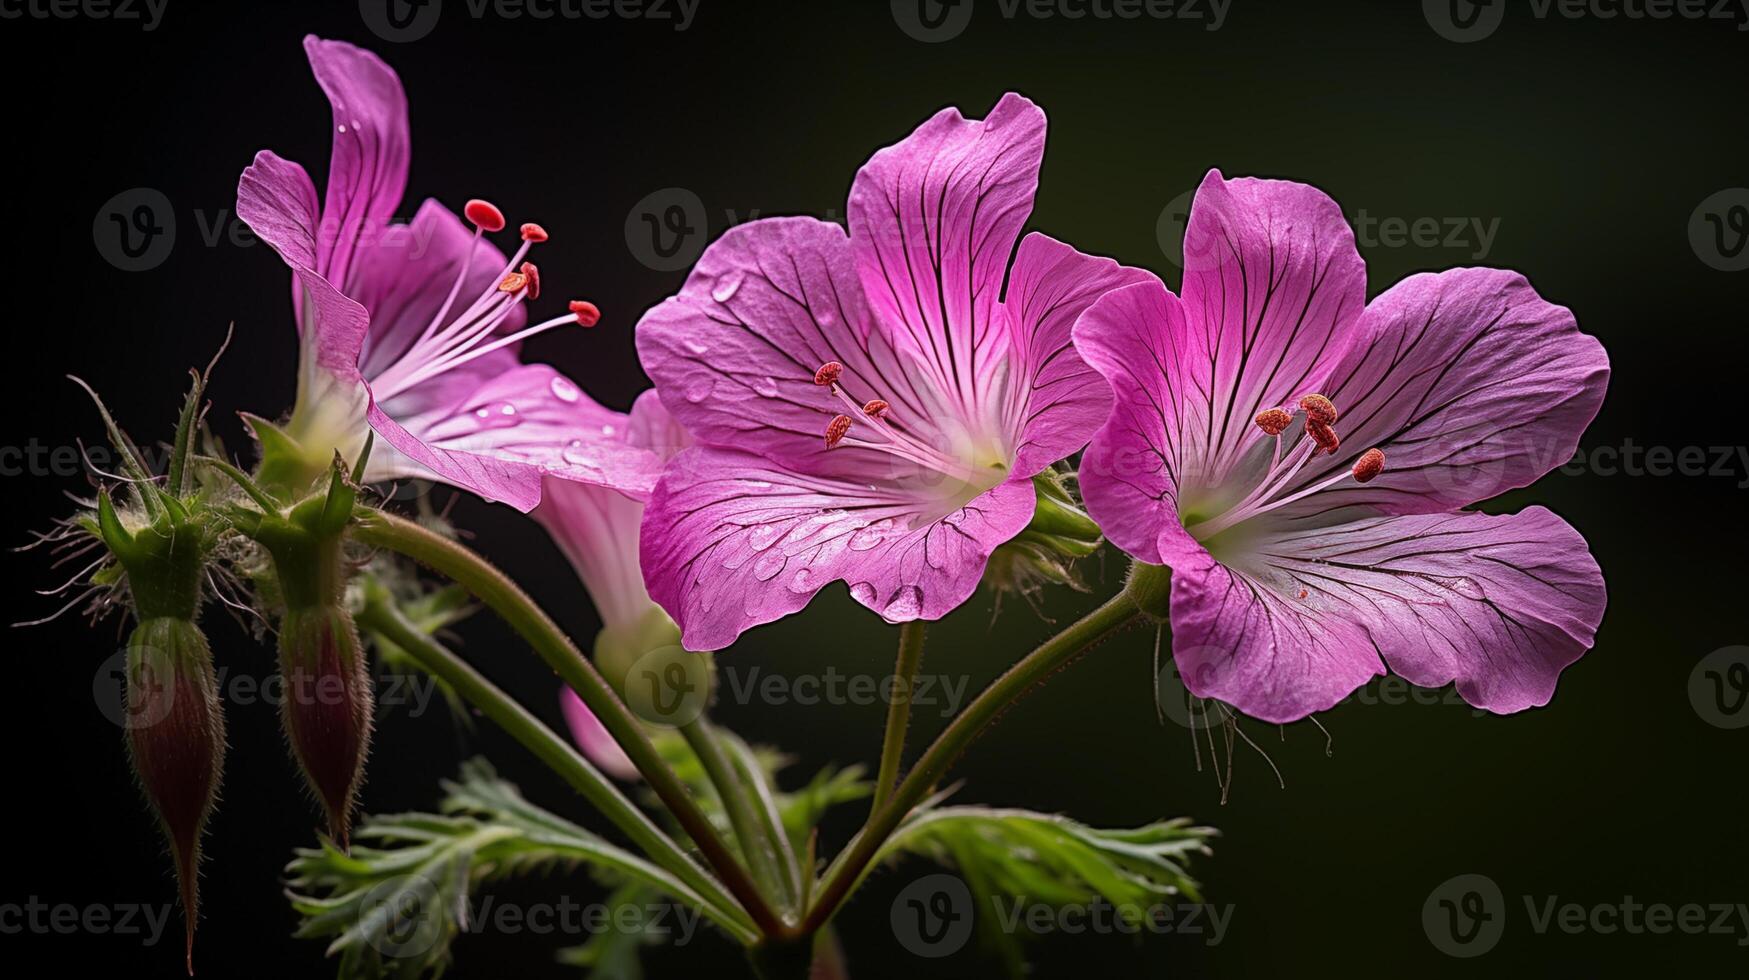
{"x":1059,"y":534}
{"x":326,"y":711}
{"x":176,"y":738}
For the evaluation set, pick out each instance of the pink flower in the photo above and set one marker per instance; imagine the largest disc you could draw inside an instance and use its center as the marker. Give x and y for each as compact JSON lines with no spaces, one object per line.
{"x":870,"y":407}
{"x":414,"y":327}
{"x":1303,"y":562}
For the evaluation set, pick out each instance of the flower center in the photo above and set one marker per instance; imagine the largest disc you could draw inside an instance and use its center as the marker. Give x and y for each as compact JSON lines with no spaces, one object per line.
{"x":1321,"y":437}
{"x":450,"y":342}
{"x":869,"y":424}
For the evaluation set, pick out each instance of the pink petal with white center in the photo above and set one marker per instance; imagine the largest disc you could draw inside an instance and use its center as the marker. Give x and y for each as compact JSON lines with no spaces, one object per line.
{"x":1500,"y":604}
{"x":593,"y":739}
{"x":933,"y":221}
{"x":367,"y":171}
{"x":730,"y":540}
{"x":1273,"y":288}
{"x":498,"y":440}
{"x":1050,"y":396}
{"x":1469,"y":382}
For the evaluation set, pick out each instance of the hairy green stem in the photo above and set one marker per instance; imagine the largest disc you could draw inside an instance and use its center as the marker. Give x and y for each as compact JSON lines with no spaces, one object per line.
{"x":848,"y":869}
{"x":757,"y":845}
{"x":381,"y":617}
{"x":905,"y":667}
{"x":477,"y":575}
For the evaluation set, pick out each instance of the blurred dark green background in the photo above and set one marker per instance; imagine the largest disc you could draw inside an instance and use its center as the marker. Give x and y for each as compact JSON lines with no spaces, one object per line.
{"x":1585,"y":144}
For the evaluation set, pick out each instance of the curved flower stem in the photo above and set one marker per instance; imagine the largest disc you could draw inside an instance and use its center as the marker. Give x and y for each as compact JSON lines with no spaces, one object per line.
{"x":905,"y":667}
{"x":506,"y":598}
{"x":1120,"y":611}
{"x":381,"y":617}
{"x":756,"y":835}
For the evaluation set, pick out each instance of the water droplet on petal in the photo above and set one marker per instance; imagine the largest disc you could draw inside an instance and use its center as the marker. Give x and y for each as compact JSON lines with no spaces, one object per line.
{"x":801,"y":580}
{"x":699,"y":389}
{"x":725,"y":287}
{"x":697,"y":348}
{"x":874,"y":535}
{"x":864,"y":593}
{"x":765,"y":387}
{"x":1466,"y":587}
{"x":763,"y":536}
{"x":768,"y":565}
{"x":907,"y":604}
{"x":497,"y":415}
{"x":564,"y":390}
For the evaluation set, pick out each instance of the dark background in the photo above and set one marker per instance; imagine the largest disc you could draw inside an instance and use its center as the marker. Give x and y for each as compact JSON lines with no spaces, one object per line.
{"x":1591,"y":141}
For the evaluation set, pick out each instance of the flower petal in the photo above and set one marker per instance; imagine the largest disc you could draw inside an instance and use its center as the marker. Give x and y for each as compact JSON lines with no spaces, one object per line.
{"x":1053,"y":401}
{"x":597,"y":529}
{"x":651,"y":427}
{"x":1130,"y":474}
{"x":1273,"y":287}
{"x":1498,"y":603}
{"x":1250,"y":644}
{"x":277,"y":200}
{"x":367,"y":172}
{"x":499,"y":439}
{"x":404,"y":276}
{"x":1472,"y":385}
{"x":593,"y":739}
{"x":736,"y":350}
{"x":933,"y":221}
{"x":731,"y":540}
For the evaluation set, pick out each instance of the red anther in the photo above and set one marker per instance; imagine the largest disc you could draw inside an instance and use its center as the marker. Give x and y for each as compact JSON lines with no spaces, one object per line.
{"x":532,"y":274}
{"x":1323,"y":435}
{"x":485,"y":214}
{"x":1274,"y":422}
{"x":1319,"y":409}
{"x":1370,"y":464}
{"x":876,"y":408}
{"x":836,"y":429}
{"x":585,"y":312}
{"x":512,"y":282}
{"x":532,"y":232}
{"x":828,"y":373}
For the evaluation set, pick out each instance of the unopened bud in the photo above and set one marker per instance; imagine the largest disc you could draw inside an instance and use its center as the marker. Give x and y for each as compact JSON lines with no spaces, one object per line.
{"x":176,"y":739}
{"x":327,"y":707}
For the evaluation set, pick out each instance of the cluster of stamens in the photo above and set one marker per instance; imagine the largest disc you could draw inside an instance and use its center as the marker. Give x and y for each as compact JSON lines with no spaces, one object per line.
{"x":1321,"y":437}
{"x":449,"y":342}
{"x":874,"y":417}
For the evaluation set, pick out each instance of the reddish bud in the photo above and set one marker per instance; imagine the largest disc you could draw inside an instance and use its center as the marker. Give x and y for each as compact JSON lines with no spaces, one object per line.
{"x":327,"y":707}
{"x":585,"y":312}
{"x":1370,"y":464}
{"x":828,"y":373}
{"x":1319,"y":409}
{"x":176,"y":739}
{"x":532,"y":232}
{"x":485,"y":214}
{"x":836,"y":429}
{"x":532,"y":274}
{"x":1274,"y":422}
{"x":1323,"y":435}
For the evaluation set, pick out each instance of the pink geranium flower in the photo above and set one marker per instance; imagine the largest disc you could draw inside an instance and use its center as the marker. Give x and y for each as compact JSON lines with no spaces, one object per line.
{"x":1299,"y":457}
{"x":414,"y":327}
{"x":870,"y":407}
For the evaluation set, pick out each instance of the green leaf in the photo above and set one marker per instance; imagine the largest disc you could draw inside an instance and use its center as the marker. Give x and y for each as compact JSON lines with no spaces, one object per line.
{"x":393,"y":907}
{"x":613,"y":954}
{"x":1050,"y":859}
